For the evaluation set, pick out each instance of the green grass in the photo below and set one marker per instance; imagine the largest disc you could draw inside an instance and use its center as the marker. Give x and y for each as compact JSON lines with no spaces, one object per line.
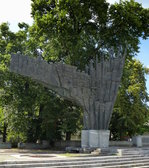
{"x":71,"y":154}
{"x":6,"y":157}
{"x":74,"y":154}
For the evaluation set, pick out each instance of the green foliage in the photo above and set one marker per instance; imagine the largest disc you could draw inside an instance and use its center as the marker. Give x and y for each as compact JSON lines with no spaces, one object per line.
{"x":16,"y":137}
{"x":128,"y":20}
{"x":70,"y":27}
{"x":1,"y":120}
{"x":131,"y":110}
{"x":58,"y":117}
{"x":77,"y":31}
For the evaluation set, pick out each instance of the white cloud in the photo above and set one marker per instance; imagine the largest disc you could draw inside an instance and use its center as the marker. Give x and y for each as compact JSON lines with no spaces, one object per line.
{"x":15,"y":11}
{"x":112,"y":1}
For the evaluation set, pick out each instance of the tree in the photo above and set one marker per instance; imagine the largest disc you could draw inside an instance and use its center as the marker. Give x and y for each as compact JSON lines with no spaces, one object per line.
{"x":71,"y":27}
{"x":59,"y":117}
{"x":77,"y":31}
{"x":3,"y":125}
{"x":9,"y":42}
{"x":131,"y":111}
{"x":17,"y":93}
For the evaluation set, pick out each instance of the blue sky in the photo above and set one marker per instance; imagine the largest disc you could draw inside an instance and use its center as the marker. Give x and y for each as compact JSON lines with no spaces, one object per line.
{"x":14,"y":11}
{"x":143,"y":56}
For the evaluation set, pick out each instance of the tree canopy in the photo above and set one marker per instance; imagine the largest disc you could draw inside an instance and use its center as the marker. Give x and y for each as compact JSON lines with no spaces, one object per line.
{"x":131,"y":109}
{"x":81,"y":30}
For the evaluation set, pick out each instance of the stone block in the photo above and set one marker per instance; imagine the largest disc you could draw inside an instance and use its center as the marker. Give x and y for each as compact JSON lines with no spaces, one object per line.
{"x":85,"y":138}
{"x":137,"y":140}
{"x":99,"y":138}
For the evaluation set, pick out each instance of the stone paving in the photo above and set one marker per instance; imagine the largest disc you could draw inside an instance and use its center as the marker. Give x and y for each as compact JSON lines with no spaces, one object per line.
{"x":131,"y":157}
{"x":28,"y":155}
{"x":18,"y":155}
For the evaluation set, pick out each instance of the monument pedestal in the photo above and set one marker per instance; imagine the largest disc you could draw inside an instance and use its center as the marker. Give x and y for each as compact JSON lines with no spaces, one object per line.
{"x":137,"y":141}
{"x":85,"y":138}
{"x":95,"y":138}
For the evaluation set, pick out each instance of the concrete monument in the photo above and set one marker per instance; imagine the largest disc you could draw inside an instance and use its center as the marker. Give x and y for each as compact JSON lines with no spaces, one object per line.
{"x":94,"y":90}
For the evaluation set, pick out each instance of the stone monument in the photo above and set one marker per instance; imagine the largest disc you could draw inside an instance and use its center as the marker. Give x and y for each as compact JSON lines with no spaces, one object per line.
{"x":94,"y":90}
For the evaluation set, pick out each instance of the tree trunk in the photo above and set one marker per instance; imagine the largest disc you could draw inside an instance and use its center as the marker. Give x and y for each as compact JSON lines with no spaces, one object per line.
{"x":68,"y":136}
{"x":4,"y":132}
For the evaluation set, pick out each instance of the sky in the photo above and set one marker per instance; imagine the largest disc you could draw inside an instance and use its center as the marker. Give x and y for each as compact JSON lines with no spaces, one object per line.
{"x":14,"y":11}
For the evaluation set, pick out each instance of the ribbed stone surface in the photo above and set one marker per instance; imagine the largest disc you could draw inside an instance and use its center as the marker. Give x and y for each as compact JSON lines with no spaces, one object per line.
{"x":95,"y":90}
{"x":99,"y":138}
{"x":85,"y":138}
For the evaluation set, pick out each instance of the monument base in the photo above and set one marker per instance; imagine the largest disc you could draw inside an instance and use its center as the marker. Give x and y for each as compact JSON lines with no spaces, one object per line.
{"x":95,"y":138}
{"x":85,"y":138}
{"x":137,"y":141}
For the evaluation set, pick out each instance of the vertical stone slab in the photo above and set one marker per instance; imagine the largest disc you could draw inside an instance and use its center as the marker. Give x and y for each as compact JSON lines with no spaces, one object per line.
{"x":85,"y":138}
{"x":137,"y":141}
{"x":99,"y":138}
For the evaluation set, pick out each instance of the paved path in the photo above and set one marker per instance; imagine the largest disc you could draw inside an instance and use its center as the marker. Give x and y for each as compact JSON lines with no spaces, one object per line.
{"x":18,"y":155}
{"x":131,"y":157}
{"x":28,"y":155}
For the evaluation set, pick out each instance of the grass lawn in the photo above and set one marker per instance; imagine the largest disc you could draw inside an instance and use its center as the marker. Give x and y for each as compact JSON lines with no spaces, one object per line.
{"x":6,"y":157}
